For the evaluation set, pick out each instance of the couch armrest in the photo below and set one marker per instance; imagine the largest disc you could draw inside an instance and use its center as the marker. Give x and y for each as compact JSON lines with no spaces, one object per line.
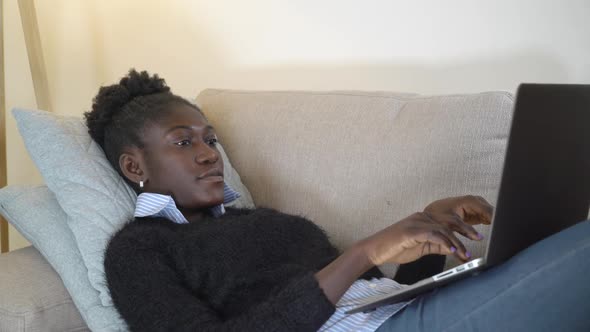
{"x":33,"y":297}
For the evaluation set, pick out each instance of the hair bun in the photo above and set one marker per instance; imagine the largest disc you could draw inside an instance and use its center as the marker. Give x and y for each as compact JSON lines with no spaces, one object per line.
{"x":141,"y":84}
{"x":111,"y":100}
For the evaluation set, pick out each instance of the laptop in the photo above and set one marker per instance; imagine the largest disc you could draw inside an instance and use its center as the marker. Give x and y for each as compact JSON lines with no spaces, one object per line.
{"x":545,"y":185}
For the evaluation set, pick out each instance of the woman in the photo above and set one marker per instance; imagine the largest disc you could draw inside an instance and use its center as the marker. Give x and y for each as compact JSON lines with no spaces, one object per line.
{"x":185,"y":263}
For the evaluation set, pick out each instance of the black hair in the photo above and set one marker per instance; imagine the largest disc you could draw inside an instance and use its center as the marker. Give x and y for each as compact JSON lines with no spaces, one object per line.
{"x":121,"y":111}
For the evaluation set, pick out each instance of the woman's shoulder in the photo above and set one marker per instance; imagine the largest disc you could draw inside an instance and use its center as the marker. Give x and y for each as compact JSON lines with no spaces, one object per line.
{"x":141,"y":245}
{"x":143,"y":231}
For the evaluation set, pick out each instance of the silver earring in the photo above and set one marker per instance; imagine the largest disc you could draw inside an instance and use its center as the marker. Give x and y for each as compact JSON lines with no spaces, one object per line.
{"x":141,"y":184}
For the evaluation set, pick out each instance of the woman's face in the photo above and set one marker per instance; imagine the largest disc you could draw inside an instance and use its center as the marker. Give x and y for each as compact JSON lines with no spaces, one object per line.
{"x":180,"y":159}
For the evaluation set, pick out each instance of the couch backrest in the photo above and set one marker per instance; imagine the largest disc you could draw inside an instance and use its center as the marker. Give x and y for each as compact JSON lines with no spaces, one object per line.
{"x":355,"y":162}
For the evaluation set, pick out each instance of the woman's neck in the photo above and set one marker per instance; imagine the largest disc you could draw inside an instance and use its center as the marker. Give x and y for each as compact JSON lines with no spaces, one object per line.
{"x":194,"y":215}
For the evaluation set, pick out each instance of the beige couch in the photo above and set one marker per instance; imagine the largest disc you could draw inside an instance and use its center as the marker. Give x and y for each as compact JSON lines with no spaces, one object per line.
{"x":351,"y":161}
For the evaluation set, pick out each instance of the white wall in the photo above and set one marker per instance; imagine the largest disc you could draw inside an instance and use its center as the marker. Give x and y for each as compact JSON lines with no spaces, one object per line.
{"x":420,"y":46}
{"x":425,"y":46}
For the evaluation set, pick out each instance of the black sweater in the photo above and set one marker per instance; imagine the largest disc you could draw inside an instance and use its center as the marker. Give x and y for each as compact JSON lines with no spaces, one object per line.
{"x":249,"y":270}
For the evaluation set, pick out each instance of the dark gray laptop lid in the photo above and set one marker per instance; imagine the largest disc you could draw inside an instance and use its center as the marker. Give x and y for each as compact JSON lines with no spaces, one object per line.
{"x":545,"y":184}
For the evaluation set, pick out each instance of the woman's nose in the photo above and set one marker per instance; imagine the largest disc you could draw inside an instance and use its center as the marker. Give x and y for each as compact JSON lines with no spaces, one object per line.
{"x":206,"y":154}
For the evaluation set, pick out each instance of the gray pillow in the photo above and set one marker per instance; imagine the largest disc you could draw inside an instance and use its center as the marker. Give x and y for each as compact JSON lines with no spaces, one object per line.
{"x":36,"y":214}
{"x":96,"y":200}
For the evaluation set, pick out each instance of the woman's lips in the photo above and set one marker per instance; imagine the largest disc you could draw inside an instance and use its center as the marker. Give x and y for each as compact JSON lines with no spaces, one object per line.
{"x":212,"y":178}
{"x":211,"y":172}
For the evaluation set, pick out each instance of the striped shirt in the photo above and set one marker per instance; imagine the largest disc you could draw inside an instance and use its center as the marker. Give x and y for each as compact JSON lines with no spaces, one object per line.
{"x":151,"y":204}
{"x":158,"y":205}
{"x":357,"y":294}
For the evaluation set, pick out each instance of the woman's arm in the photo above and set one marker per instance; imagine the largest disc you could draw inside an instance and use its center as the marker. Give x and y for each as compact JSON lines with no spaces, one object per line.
{"x":424,"y":233}
{"x":339,"y":275}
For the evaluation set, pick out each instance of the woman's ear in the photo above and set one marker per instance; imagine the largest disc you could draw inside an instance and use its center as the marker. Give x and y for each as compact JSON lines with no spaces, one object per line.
{"x":132,"y":167}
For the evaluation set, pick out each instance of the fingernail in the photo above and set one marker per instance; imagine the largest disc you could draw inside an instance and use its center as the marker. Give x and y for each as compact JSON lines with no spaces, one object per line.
{"x":453,"y":249}
{"x":468,"y":254}
{"x":480,"y":236}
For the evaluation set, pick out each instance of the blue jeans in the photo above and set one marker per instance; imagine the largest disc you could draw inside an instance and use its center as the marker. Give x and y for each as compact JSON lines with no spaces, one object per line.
{"x":546,"y":287}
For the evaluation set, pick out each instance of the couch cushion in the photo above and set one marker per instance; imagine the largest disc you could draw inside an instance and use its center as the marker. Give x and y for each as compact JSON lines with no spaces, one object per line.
{"x":355,"y":162}
{"x":33,"y":297}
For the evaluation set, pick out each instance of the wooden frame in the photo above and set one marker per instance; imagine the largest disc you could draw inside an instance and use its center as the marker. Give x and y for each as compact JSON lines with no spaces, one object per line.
{"x":40,"y":84}
{"x":3,"y":163}
{"x":28,"y":16}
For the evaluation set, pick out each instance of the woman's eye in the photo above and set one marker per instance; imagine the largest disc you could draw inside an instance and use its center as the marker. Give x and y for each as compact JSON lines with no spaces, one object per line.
{"x":212,"y":141}
{"x":184,"y":142}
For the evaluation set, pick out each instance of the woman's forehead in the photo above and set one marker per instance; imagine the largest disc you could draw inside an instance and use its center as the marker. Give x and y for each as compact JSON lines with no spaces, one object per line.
{"x":183,"y":115}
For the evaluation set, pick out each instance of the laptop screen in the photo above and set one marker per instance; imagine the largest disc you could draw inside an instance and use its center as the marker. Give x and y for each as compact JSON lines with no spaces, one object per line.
{"x":545,"y":184}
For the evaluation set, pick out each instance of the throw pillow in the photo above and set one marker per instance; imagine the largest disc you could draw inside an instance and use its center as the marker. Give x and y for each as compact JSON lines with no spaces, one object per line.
{"x":96,"y":200}
{"x":36,"y":214}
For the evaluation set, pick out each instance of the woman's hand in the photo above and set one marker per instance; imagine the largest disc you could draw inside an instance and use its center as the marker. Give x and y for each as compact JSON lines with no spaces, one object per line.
{"x":430,"y":232}
{"x":459,"y":213}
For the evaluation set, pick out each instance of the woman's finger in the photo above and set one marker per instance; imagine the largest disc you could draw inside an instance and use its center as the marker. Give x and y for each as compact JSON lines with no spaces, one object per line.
{"x":475,"y":210}
{"x":460,"y":252}
{"x":458,"y":225}
{"x":437,"y":243}
{"x":454,"y":222}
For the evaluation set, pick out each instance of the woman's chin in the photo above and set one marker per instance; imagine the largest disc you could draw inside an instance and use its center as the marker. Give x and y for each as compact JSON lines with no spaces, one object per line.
{"x":211,"y":200}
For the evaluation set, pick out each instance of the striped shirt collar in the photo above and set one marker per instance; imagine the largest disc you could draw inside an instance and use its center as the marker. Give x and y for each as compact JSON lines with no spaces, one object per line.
{"x":158,"y":205}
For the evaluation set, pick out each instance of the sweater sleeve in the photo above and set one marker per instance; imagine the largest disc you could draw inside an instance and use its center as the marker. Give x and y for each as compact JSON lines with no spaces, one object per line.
{"x":150,"y":296}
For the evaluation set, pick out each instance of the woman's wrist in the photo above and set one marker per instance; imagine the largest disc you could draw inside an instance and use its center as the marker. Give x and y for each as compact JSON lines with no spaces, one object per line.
{"x":358,"y":253}
{"x":336,"y":277}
